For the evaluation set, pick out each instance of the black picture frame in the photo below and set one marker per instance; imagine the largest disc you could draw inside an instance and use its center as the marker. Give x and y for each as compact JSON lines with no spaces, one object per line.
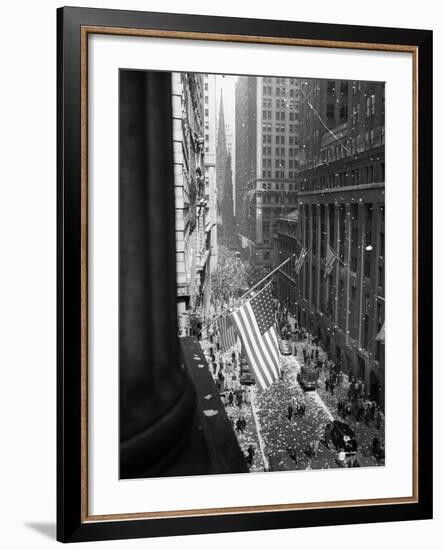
{"x":72,"y":522}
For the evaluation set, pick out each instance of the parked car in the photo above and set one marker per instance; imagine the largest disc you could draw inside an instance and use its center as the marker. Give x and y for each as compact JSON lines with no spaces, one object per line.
{"x":343,"y":437}
{"x":284,"y":347}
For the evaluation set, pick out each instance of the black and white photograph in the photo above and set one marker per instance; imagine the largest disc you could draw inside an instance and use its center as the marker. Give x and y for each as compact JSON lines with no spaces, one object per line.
{"x":279,"y":192}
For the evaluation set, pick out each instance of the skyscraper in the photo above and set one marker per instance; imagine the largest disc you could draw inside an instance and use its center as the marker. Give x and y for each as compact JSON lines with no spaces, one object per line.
{"x":340,"y":216}
{"x":267,"y":140}
{"x":193,"y":235}
{"x":224,"y":185}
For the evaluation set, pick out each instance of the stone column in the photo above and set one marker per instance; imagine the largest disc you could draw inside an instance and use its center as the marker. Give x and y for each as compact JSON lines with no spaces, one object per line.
{"x":304,"y":244}
{"x":337,"y":267}
{"x":157,"y":401}
{"x":374,"y":274}
{"x":360,"y":275}
{"x":347,"y":276}
{"x":327,"y":242}
{"x":318,"y":257}
{"x":310,"y":256}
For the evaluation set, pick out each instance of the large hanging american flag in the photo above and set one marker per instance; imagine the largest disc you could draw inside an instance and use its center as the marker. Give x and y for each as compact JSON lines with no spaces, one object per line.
{"x":255,"y":324}
{"x":227,"y":332}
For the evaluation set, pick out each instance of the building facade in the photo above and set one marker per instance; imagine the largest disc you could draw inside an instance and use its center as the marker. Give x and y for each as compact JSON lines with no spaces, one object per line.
{"x":267,"y":145}
{"x":341,"y":207}
{"x":210,"y":122}
{"x":193,"y":230}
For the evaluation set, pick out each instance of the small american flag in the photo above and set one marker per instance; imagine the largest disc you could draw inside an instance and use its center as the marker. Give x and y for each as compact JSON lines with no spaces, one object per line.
{"x":255,"y":324}
{"x":227,"y":332}
{"x":300,"y":261}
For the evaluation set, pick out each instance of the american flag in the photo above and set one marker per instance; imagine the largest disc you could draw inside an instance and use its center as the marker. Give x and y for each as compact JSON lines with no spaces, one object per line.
{"x":330,"y":260}
{"x":300,"y":261}
{"x":255,"y":324}
{"x":227,"y":332}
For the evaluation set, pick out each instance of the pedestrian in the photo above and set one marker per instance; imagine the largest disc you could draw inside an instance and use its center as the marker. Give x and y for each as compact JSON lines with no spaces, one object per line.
{"x":291,"y":450}
{"x":315,"y":448}
{"x":367,"y":415}
{"x":373,"y":410}
{"x":378,"y":419}
{"x":341,"y":459}
{"x":327,"y":435}
{"x":375,"y":447}
{"x":290,"y":412}
{"x":327,"y":384}
{"x":230,"y":398}
{"x":247,"y":396}
{"x":310,"y":450}
{"x":340,"y":408}
{"x":250,"y":455}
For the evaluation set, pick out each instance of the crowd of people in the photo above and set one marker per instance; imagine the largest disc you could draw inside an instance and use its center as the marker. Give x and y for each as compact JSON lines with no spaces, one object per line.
{"x":226,"y":369}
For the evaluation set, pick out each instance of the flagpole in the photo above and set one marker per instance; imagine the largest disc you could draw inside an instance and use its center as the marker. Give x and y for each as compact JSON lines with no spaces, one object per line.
{"x":256,"y":285}
{"x":266,"y":277}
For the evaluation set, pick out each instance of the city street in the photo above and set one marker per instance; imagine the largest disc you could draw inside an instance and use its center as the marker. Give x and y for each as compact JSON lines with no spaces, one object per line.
{"x":285,"y":443}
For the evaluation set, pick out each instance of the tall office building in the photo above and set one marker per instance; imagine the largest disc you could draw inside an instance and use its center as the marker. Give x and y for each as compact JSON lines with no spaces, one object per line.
{"x":210,"y":124}
{"x":339,"y":295}
{"x":193,"y":235}
{"x":267,"y":141}
{"x":224,"y":184}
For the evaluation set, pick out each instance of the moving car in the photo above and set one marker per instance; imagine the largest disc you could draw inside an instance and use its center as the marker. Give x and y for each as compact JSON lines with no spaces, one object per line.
{"x":308,"y":378}
{"x":284,"y":347}
{"x":246,"y":377}
{"x":343,"y":437}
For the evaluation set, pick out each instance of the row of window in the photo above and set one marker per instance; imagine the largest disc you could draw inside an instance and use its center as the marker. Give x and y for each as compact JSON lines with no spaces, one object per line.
{"x":267,"y":127}
{"x":278,"y":174}
{"x":279,"y":115}
{"x":373,"y":173}
{"x":277,"y":198}
{"x":279,"y":162}
{"x":267,"y":186}
{"x":370,"y":139}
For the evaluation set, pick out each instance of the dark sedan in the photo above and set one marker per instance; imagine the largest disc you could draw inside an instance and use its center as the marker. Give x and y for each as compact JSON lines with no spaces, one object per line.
{"x":285,"y":347}
{"x":343,"y":437}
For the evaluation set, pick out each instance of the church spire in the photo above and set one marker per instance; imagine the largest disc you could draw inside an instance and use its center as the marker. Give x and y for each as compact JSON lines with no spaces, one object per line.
{"x":221,"y":136}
